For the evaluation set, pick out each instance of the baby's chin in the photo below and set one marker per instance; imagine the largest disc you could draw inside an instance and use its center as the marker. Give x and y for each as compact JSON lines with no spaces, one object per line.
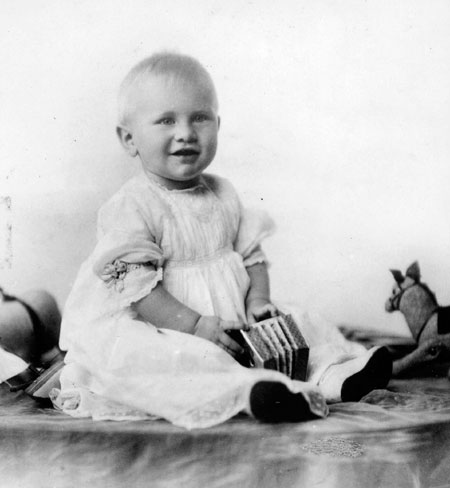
{"x":188,"y":173}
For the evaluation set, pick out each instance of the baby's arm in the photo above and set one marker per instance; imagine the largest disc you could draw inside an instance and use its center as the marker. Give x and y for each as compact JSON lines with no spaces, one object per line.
{"x":164,"y":311}
{"x":258,"y":304}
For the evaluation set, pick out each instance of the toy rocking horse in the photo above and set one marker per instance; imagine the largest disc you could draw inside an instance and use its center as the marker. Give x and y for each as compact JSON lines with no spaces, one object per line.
{"x":428,"y":322}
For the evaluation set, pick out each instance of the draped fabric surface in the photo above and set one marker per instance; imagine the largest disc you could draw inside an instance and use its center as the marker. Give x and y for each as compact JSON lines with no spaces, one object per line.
{"x":399,"y":437}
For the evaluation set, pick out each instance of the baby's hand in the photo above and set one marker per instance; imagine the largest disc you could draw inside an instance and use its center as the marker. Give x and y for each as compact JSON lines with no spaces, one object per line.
{"x":260,"y":309}
{"x":213,"y":329}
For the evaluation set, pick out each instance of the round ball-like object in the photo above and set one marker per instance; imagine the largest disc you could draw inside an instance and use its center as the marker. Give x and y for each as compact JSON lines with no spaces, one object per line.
{"x":29,"y":324}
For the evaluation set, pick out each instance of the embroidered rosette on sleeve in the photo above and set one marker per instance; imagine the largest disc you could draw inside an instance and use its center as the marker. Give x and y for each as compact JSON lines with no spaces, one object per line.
{"x":113,"y":274}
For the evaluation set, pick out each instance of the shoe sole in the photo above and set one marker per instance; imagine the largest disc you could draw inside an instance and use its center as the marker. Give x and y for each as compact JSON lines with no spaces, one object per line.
{"x":375,"y":374}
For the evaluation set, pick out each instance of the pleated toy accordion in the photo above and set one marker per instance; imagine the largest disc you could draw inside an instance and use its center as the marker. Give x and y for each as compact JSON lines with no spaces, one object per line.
{"x":276,"y":343}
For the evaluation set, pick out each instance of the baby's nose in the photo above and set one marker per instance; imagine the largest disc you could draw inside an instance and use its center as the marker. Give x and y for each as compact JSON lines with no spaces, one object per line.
{"x":185,"y":132}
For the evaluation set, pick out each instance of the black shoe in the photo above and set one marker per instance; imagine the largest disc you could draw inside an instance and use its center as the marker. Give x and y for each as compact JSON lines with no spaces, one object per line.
{"x":273,"y":402}
{"x":375,"y":374}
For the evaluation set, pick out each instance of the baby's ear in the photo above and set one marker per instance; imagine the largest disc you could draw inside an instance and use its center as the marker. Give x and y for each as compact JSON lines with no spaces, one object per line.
{"x":413,"y":271}
{"x":126,"y":139}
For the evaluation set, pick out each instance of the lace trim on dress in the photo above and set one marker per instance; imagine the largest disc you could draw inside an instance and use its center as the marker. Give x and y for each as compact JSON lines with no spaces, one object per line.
{"x":255,"y":258}
{"x":215,"y":411}
{"x":142,"y":286}
{"x":198,"y":205}
{"x":81,"y":403}
{"x":200,"y":184}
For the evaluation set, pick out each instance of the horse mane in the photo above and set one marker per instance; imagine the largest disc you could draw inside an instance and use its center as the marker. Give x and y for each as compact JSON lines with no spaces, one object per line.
{"x":427,"y":288}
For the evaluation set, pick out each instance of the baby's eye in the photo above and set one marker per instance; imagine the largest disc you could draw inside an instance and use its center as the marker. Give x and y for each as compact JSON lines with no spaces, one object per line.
{"x":200,"y":118}
{"x":166,"y":121}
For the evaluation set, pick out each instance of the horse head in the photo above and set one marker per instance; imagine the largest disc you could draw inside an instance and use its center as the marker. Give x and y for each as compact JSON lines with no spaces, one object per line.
{"x":413,"y":298}
{"x":402,"y":283}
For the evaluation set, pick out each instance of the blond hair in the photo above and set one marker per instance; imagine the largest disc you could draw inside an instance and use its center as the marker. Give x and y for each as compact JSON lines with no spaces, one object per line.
{"x":179,"y":67}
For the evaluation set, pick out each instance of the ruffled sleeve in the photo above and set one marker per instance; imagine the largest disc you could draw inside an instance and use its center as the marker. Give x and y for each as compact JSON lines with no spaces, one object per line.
{"x":254,"y":227}
{"x":127,"y":258}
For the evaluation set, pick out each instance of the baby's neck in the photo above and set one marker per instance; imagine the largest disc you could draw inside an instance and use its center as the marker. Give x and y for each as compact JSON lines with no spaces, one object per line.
{"x":174,"y":184}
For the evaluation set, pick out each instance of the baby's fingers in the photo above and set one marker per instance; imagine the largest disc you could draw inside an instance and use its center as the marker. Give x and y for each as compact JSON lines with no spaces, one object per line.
{"x":272,"y":310}
{"x":265,"y":312}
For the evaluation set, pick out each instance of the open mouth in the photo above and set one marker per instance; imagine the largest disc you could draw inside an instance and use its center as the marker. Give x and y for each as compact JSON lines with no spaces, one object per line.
{"x":186,"y":152}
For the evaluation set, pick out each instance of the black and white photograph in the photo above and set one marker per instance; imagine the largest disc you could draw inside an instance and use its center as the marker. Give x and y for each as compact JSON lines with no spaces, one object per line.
{"x":225,"y":243}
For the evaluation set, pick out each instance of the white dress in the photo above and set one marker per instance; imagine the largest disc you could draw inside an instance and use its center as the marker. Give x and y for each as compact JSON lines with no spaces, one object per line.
{"x":197,"y":243}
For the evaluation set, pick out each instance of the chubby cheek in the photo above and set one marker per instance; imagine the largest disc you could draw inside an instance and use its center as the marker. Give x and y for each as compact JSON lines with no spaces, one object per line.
{"x":212,"y":149}
{"x":162,"y":141}
{"x":211,"y":144}
{"x":151,"y":141}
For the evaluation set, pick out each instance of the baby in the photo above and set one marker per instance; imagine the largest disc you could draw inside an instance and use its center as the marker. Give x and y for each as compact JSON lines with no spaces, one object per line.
{"x":178,"y":263}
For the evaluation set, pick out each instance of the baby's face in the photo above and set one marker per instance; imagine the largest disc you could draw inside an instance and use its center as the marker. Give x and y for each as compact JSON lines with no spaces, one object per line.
{"x":174,"y":129}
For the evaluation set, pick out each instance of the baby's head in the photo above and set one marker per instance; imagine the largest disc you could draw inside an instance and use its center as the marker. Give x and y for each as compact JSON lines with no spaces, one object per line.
{"x":168,"y":116}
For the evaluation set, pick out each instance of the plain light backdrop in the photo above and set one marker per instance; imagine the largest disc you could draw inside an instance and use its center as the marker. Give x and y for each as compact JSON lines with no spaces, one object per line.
{"x":335,"y":119}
